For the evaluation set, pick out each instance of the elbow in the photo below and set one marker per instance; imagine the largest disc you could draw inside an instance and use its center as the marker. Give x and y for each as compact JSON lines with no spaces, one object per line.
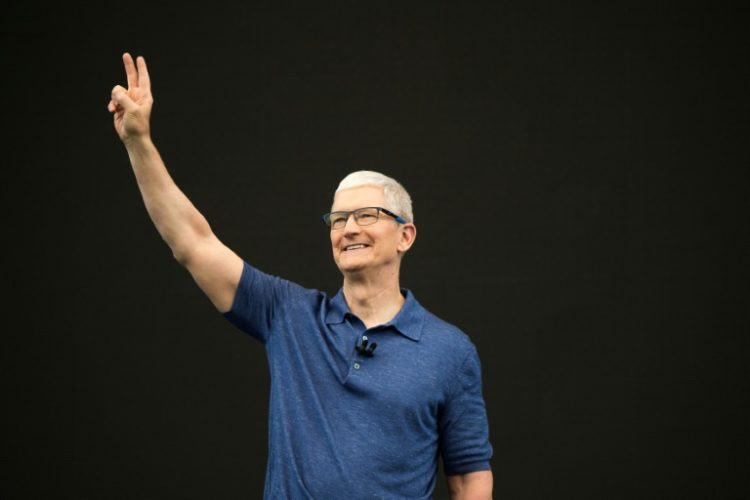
{"x":182,"y":257}
{"x":185,"y":252}
{"x":190,"y":245}
{"x":195,"y":250}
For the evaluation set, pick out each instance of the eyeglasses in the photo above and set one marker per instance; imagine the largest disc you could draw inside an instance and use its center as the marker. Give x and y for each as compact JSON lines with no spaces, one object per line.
{"x":362,"y":216}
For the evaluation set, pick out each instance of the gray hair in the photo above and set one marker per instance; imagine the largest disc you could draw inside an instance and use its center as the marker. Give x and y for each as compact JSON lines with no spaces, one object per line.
{"x":396,"y":197}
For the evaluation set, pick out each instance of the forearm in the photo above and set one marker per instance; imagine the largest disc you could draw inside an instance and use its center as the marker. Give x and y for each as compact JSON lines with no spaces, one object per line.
{"x":176,"y":219}
{"x":471,"y":486}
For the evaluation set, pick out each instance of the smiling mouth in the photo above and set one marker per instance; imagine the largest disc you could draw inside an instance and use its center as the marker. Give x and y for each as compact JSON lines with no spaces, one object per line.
{"x":354,"y":247}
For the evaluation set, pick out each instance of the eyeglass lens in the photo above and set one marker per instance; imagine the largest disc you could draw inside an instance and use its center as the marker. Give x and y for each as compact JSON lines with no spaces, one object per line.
{"x":362,"y":216}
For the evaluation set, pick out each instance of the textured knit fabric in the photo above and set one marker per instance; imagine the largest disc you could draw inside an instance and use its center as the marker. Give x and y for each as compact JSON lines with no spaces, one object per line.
{"x":343,"y":425}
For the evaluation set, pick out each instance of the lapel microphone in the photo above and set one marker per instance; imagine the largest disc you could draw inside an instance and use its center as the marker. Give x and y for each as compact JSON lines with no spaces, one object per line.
{"x":366,"y":348}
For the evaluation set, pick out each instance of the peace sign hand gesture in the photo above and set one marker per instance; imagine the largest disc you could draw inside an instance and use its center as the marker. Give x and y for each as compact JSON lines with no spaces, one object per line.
{"x":132,"y":106}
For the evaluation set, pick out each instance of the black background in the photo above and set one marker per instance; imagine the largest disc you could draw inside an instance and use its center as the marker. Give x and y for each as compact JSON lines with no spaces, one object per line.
{"x":579,"y":176}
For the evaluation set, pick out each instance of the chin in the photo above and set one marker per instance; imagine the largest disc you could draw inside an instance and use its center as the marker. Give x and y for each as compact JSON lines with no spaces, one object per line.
{"x":351,"y":267}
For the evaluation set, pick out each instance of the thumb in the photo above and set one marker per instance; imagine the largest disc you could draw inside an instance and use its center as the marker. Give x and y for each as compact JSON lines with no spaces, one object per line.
{"x":122,"y":99}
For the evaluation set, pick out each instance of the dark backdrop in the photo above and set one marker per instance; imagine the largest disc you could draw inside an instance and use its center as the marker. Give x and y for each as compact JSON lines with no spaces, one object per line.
{"x":580,"y":184}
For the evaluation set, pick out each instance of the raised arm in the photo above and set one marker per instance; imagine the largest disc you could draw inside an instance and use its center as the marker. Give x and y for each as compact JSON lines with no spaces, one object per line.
{"x":215,"y":268}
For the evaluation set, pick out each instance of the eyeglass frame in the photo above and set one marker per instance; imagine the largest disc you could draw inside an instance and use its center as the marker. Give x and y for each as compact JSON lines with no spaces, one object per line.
{"x":327,"y":217}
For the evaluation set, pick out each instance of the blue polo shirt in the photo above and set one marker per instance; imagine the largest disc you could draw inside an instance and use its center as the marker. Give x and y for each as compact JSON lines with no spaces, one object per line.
{"x":343,"y":425}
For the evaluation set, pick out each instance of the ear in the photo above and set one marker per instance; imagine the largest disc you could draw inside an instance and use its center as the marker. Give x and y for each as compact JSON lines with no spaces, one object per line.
{"x":408,"y":235}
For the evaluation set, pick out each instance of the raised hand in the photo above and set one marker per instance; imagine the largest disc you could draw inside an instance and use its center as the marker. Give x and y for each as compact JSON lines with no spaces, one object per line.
{"x":131,"y":107}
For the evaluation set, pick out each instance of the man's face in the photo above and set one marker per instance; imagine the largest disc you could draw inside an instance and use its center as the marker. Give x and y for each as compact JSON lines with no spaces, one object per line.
{"x":358,"y":248}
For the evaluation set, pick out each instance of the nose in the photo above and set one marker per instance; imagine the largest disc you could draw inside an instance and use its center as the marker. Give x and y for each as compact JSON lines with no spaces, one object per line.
{"x":351,"y":226}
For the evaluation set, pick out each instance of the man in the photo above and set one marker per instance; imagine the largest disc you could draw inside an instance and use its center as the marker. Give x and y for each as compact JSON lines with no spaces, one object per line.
{"x":368,"y":389}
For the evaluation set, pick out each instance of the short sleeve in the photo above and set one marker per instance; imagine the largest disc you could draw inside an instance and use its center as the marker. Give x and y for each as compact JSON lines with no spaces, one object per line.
{"x":256,"y":302}
{"x":463,"y":425}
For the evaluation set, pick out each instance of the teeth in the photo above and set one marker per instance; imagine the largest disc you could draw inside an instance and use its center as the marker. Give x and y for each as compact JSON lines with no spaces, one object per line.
{"x":353,"y":247}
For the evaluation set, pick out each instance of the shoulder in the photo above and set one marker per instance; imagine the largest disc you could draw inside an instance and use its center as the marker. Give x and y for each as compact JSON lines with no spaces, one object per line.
{"x":453,"y":354}
{"x":251,"y":275}
{"x":259,"y":287}
{"x":446,"y":340}
{"x":438,"y":330}
{"x":265,"y":303}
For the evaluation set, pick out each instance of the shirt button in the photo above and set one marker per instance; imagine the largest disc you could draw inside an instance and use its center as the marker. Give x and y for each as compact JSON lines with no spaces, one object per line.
{"x":356,"y":366}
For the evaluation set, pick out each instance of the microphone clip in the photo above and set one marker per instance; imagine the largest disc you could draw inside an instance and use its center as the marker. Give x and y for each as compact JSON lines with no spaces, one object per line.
{"x":366,"y":348}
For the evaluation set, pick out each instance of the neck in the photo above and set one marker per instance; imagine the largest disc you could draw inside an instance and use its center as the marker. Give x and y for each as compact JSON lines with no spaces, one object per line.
{"x":373,"y":299}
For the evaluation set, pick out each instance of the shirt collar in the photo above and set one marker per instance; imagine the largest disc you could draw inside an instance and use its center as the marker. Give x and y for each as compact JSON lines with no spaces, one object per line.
{"x":408,"y":321}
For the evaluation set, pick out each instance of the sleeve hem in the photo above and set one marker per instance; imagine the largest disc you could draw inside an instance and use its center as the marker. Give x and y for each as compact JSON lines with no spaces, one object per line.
{"x":240,"y":292}
{"x":467,"y":468}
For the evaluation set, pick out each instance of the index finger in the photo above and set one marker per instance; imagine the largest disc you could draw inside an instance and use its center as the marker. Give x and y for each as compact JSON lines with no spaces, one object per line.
{"x":144,"y":81}
{"x":130,"y":70}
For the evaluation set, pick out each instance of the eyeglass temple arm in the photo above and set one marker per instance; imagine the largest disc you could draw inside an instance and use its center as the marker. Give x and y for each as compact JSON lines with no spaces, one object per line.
{"x":397,"y":217}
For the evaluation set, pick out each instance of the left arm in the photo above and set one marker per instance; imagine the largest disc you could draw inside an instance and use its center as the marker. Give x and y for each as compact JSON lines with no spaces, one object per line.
{"x":471,"y":486}
{"x":463,"y":432}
